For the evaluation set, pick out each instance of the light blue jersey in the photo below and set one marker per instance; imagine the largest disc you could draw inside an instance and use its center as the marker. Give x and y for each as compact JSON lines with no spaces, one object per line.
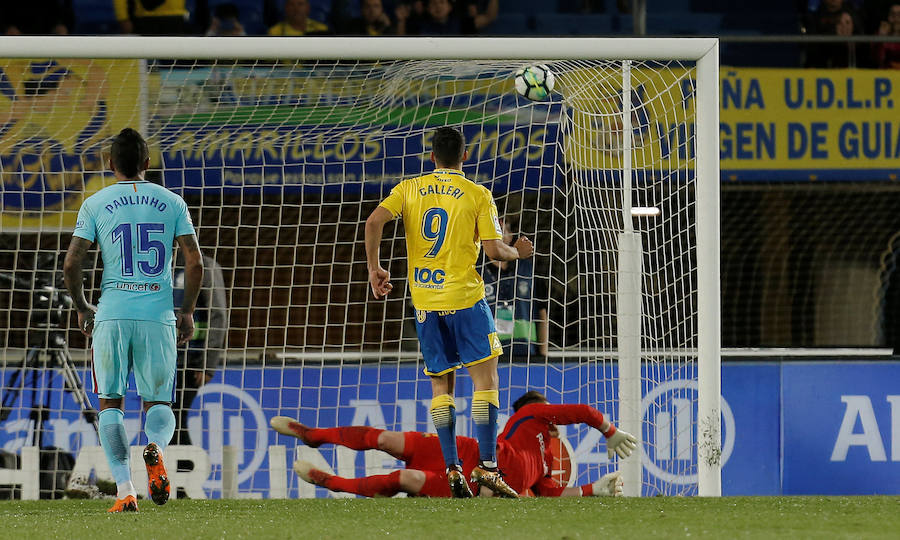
{"x":135,"y":224}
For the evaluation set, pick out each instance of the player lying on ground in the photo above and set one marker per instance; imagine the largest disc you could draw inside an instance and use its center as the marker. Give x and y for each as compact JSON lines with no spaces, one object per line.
{"x":425,"y":474}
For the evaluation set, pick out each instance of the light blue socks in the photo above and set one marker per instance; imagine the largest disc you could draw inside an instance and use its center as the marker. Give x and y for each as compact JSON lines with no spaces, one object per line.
{"x":114,"y":441}
{"x":159,"y":425}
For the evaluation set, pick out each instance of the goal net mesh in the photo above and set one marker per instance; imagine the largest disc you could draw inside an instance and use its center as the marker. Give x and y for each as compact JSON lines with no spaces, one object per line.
{"x":281,"y":163}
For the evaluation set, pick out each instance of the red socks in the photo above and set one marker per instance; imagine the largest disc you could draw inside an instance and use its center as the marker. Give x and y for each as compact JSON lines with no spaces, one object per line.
{"x":353,"y":437}
{"x":384,"y":485}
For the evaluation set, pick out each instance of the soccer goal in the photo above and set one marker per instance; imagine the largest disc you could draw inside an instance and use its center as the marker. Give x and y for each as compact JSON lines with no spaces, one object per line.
{"x":283,"y":146}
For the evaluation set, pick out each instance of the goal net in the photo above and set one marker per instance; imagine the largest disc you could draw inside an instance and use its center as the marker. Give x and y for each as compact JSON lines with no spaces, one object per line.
{"x":282,"y":160}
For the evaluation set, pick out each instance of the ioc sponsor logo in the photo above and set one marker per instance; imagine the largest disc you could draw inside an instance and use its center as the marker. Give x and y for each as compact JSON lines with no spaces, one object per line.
{"x":427,"y":275}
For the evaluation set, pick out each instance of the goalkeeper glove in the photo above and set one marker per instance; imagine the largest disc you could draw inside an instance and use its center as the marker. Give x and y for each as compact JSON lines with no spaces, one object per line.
{"x":609,"y":485}
{"x":619,"y":442}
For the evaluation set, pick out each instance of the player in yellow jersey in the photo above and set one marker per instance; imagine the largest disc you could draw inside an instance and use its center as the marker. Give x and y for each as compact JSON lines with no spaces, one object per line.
{"x":447,"y":219}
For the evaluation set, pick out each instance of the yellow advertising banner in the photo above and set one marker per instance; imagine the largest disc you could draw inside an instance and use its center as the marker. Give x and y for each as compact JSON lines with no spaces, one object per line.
{"x":662,"y":119}
{"x":55,"y":116}
{"x":775,"y":124}
{"x":823,"y":122}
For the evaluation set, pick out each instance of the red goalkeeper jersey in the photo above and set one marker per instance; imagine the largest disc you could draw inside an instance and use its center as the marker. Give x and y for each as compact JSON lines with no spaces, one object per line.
{"x":523,"y":450}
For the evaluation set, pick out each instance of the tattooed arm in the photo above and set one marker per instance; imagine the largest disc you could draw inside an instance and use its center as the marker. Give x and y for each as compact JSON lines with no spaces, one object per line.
{"x":74,"y":277}
{"x":193,"y":279}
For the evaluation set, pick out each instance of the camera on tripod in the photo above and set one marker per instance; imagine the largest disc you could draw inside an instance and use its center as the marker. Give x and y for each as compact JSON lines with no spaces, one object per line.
{"x":47,"y":327}
{"x":47,"y":353}
{"x":50,"y":304}
{"x":50,"y":307}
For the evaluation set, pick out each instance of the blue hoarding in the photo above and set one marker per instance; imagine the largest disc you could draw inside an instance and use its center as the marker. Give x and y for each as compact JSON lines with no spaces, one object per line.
{"x":788,"y":428}
{"x":841,"y":424}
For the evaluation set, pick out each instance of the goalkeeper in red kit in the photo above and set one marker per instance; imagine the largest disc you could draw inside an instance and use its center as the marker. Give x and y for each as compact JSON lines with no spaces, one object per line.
{"x":524,"y":454}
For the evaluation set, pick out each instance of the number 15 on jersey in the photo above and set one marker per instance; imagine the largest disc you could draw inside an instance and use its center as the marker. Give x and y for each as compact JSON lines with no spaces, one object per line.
{"x":151,"y":252}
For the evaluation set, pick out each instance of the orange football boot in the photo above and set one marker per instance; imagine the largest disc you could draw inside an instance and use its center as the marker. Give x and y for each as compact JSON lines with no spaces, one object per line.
{"x":128,"y":504}
{"x":158,"y":486}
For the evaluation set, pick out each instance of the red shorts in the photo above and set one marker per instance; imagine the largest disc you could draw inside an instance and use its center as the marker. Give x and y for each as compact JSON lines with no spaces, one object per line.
{"x":422,"y":451}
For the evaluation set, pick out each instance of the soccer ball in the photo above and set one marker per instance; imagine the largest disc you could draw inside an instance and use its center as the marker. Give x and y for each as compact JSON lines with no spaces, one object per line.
{"x":535,"y":82}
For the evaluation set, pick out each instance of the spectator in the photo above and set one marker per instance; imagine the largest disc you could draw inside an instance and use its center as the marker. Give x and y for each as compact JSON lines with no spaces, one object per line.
{"x":372,"y":22}
{"x":36,"y":17}
{"x":151,"y":17}
{"x":479,"y":14}
{"x":409,"y":17}
{"x":439,"y":17}
{"x":831,"y":17}
{"x":440,"y":20}
{"x":839,"y":55}
{"x":513,"y":293}
{"x":844,"y":54}
{"x":824,"y":19}
{"x":887,"y":55}
{"x":296,"y":21}
{"x":226,"y":21}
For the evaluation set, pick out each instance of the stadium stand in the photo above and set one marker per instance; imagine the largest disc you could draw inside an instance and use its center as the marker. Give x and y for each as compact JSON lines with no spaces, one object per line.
{"x":94,"y":17}
{"x":570,"y":24}
{"x":548,"y":18}
{"x":669,"y":23}
{"x":251,"y":14}
{"x":529,"y":7}
{"x":511,"y":24}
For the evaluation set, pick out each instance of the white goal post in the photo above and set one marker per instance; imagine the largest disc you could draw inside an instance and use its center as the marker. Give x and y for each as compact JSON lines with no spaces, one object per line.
{"x":635,"y":61}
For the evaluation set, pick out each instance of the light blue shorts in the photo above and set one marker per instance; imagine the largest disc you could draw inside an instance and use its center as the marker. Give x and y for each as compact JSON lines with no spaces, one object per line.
{"x":461,"y":337}
{"x":145,"y":347}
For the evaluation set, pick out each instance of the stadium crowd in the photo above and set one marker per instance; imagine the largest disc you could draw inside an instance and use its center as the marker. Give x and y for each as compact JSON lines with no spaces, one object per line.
{"x":852,"y":18}
{"x":464,"y":17}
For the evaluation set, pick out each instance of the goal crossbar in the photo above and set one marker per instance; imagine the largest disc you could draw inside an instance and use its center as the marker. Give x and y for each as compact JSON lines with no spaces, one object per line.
{"x":349,"y":48}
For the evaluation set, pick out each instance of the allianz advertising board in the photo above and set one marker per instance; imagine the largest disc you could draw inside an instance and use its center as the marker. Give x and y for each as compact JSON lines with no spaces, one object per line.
{"x":788,"y":428}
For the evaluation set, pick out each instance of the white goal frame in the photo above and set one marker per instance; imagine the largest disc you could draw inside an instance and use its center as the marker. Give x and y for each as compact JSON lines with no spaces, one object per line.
{"x":703,"y":51}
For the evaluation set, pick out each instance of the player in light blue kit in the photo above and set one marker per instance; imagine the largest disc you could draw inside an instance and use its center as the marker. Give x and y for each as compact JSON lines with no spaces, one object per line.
{"x":135,"y":224}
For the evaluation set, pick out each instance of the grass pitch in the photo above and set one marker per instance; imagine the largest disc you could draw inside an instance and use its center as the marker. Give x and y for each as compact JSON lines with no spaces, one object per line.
{"x":430,"y":519}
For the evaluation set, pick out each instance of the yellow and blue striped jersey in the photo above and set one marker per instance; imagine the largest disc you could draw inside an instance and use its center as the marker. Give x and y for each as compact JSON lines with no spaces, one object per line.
{"x":445,"y":216}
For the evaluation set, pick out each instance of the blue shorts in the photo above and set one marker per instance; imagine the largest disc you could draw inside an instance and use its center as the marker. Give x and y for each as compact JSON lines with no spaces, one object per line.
{"x":145,"y":347}
{"x":461,"y":337}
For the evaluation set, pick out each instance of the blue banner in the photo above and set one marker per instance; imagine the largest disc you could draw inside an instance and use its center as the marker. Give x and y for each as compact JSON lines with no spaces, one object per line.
{"x":235,"y":159}
{"x":290,"y":129}
{"x":841,"y":426}
{"x":792,"y":428}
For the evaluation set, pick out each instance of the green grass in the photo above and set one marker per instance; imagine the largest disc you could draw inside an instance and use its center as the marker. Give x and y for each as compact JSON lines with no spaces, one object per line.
{"x":431,"y":519}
